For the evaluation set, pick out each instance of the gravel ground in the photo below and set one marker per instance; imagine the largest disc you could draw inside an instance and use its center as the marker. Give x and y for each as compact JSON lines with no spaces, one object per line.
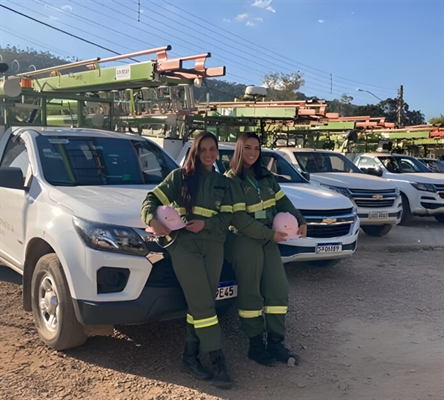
{"x":370,"y":327}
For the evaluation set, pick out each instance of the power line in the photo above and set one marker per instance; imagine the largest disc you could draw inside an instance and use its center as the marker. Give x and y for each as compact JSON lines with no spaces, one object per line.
{"x":270,"y":51}
{"x":60,"y":30}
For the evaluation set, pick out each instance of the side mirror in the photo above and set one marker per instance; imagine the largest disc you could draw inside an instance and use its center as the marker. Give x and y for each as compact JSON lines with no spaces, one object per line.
{"x":372,"y":171}
{"x":306,"y":175}
{"x":11,"y":178}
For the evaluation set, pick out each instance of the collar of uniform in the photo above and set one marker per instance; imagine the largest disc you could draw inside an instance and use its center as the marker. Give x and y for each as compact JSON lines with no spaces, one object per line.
{"x":203,"y":171}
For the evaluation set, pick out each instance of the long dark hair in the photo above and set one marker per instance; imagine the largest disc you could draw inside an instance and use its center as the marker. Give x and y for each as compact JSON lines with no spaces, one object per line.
{"x":190,"y":180}
{"x":236,"y":162}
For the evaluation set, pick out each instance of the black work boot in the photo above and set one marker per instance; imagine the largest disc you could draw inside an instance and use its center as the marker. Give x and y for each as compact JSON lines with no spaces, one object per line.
{"x":257,"y":352}
{"x":276,"y":348}
{"x":191,"y":362}
{"x":221,"y":378}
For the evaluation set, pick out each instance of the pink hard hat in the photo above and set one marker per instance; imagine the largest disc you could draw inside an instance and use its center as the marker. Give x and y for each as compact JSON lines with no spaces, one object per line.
{"x":169,"y":218}
{"x":286,"y":223}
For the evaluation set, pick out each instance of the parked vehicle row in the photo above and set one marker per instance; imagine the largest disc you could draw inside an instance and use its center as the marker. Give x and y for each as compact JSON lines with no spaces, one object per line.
{"x":70,"y":221}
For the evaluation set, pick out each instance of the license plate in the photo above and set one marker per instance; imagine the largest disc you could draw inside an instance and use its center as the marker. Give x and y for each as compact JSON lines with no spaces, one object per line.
{"x":328,"y":247}
{"x":378,"y":215}
{"x":226,"y":291}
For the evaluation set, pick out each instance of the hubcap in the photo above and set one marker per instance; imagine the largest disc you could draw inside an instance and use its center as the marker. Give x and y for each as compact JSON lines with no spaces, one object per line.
{"x":48,"y":303}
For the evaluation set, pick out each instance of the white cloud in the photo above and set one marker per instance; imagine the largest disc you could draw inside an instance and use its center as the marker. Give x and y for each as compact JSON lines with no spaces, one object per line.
{"x":321,"y":21}
{"x":66,"y":8}
{"x":53,"y":17}
{"x":270,"y":8}
{"x":261,"y":3}
{"x":241,"y":17}
{"x":226,"y":19}
{"x":254,"y":21}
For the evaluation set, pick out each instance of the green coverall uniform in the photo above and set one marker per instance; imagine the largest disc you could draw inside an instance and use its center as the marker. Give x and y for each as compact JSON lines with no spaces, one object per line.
{"x":255,"y":257}
{"x":197,"y":257}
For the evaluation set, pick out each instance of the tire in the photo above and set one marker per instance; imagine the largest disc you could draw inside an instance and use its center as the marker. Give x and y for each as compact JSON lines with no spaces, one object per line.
{"x":52,"y":307}
{"x":377,"y":230}
{"x":440,"y":218}
{"x":406,"y":216}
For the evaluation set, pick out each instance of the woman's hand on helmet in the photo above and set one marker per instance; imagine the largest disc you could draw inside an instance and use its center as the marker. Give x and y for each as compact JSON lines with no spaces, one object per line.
{"x":195,"y":225}
{"x":157,"y":229}
{"x":303,"y":231}
{"x":280,"y":237}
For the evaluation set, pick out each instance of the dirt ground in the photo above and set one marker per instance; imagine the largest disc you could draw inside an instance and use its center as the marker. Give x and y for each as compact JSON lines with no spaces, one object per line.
{"x":369,"y":328}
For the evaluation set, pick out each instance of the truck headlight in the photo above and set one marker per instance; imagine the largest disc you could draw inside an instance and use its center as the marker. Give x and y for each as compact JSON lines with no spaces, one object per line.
{"x":425,"y":187}
{"x":344,"y":192}
{"x":112,"y":238}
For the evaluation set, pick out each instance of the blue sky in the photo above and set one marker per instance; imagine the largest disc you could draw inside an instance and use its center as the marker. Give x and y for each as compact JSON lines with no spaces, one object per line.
{"x":339,"y":46}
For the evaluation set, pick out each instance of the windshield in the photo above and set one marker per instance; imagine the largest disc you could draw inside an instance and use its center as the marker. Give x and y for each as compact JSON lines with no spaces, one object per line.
{"x":313,"y":162}
{"x":402,"y":164}
{"x":72,"y":161}
{"x":277,"y":165}
{"x":433,"y":165}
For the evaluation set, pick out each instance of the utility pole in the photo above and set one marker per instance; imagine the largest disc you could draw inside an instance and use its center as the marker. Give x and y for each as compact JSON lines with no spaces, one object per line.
{"x":400,"y":104}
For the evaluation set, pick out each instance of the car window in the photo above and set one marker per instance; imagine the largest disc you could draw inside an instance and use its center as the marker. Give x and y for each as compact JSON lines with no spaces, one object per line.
{"x":16,"y":155}
{"x":102,"y":161}
{"x":325,"y":162}
{"x":403,"y":164}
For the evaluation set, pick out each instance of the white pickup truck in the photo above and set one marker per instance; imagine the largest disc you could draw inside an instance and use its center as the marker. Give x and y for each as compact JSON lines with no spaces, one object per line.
{"x":332,"y":223}
{"x":377,"y":200}
{"x":422,"y":191}
{"x":70,"y":225}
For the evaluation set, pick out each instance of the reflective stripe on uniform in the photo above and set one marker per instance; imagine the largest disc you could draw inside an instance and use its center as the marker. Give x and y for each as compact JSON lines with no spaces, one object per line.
{"x":161,"y":196}
{"x":202,"y":323}
{"x":275,"y":309}
{"x":239,"y":207}
{"x":204,"y":212}
{"x":226,"y":209}
{"x":249,"y":313}
{"x":261,"y":206}
{"x":279,"y":195}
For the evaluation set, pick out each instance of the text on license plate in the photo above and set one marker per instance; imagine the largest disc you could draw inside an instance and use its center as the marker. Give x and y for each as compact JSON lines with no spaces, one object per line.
{"x":328,"y":247}
{"x":226,"y":292}
{"x":378,"y":215}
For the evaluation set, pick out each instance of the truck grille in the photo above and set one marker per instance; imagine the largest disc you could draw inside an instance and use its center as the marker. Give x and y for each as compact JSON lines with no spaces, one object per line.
{"x":328,"y":223}
{"x":374,"y":198}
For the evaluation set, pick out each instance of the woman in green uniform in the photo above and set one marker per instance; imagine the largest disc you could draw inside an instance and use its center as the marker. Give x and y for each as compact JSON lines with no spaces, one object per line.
{"x":254,"y":253}
{"x":203,"y":197}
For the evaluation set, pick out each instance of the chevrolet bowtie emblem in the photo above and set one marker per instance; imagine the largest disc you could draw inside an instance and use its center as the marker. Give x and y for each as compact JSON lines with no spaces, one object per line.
{"x":329,"y":220}
{"x":378,"y":196}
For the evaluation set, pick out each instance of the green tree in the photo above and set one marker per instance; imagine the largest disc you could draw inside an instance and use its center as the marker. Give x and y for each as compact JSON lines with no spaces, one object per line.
{"x":437,"y":121}
{"x":282,"y":86}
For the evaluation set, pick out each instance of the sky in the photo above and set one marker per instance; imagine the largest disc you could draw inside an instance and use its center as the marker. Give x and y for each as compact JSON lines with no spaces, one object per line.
{"x":338,"y":46}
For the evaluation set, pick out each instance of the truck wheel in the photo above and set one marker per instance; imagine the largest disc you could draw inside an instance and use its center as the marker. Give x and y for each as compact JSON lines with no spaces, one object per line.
{"x":406,"y":216}
{"x":440,"y":218}
{"x":377,"y":230}
{"x":52,"y":307}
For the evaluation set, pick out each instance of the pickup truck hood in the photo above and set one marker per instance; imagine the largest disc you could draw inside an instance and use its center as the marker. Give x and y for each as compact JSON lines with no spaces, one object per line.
{"x":352,"y":180}
{"x":306,"y":196}
{"x":119,"y":205}
{"x":422,"y":177}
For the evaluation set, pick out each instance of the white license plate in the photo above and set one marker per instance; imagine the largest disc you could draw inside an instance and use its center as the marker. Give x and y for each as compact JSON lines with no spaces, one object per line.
{"x":328,"y":247}
{"x":226,"y":292}
{"x":378,"y":215}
